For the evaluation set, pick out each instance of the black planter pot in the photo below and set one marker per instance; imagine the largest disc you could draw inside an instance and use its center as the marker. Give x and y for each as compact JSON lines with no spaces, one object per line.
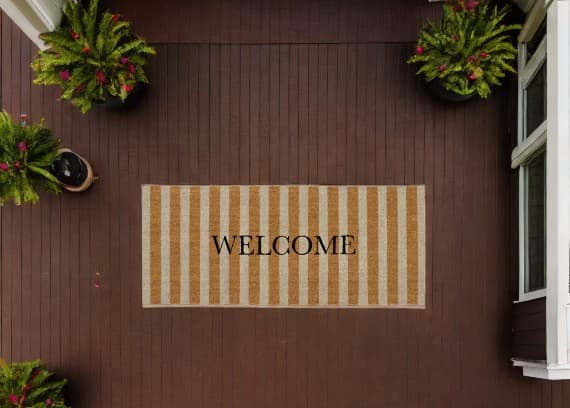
{"x":73,"y":171}
{"x":115,"y":102}
{"x":437,"y":89}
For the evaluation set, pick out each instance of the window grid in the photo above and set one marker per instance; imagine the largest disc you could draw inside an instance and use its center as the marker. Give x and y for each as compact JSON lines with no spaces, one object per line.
{"x":531,"y":249}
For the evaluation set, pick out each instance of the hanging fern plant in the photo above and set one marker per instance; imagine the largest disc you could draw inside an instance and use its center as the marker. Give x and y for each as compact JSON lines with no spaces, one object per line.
{"x":29,"y":384}
{"x":93,"y":56}
{"x":27,"y":155}
{"x":469,"y":50}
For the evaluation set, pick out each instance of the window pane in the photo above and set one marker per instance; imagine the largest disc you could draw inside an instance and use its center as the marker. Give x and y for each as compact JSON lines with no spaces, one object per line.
{"x":535,"y":97}
{"x":533,"y":44}
{"x":535,"y":223}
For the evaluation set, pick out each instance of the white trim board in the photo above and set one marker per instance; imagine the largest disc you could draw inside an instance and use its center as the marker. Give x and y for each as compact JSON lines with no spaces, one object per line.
{"x":34,"y":17}
{"x":558,"y":182}
{"x":543,"y":370}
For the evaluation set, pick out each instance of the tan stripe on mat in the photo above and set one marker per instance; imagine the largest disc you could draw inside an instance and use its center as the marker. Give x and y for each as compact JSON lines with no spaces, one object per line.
{"x":293,"y":258}
{"x":234,"y":229}
{"x":155,"y":244}
{"x":175,"y":246}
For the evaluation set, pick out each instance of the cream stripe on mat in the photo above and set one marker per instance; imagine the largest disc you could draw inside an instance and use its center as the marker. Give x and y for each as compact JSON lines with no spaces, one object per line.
{"x":184,"y":245}
{"x":283,"y":246}
{"x":343,"y":260}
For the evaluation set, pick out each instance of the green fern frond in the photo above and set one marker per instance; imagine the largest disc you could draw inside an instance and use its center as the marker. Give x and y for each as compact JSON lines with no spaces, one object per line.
{"x":27,"y":155}
{"x":90,"y":20}
{"x":468,"y":49}
{"x":89,"y":45}
{"x":30,"y":381}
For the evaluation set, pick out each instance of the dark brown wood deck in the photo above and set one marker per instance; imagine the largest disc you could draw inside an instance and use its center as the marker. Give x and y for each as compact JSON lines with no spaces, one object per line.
{"x":269,"y":92}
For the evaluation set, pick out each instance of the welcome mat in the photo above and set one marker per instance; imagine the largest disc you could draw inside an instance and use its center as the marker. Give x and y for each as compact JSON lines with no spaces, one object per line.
{"x":283,"y":246}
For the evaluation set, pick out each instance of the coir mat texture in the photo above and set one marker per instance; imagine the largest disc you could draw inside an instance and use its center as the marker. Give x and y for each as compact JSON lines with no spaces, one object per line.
{"x":283,"y":246}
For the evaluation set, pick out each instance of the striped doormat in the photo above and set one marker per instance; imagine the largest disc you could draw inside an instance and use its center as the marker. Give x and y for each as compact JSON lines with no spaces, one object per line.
{"x":283,"y":246}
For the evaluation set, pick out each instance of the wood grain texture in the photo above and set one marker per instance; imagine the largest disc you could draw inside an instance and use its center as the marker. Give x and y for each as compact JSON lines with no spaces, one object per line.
{"x":276,"y":21}
{"x":267,"y":92}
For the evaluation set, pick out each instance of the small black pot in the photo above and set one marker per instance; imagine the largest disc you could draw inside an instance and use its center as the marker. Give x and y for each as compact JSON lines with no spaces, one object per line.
{"x":115,"y":102}
{"x":73,"y":171}
{"x":437,"y":89}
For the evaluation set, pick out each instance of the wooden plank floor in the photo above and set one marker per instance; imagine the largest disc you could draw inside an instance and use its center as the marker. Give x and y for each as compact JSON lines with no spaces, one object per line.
{"x":277,"y":21}
{"x":299,"y":111}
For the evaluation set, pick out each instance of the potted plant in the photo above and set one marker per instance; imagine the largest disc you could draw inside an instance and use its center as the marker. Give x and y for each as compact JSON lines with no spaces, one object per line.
{"x":29,"y":384}
{"x":31,"y":160}
{"x":93,"y":56}
{"x":467,"y":52}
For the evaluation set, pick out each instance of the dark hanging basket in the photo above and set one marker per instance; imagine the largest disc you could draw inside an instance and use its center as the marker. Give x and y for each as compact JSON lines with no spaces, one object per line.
{"x":437,"y":89}
{"x":115,"y":102}
{"x":73,"y":171}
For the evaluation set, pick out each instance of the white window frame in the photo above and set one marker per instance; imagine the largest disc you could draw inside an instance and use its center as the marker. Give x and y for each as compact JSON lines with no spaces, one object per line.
{"x":558,"y":182}
{"x":557,"y":365}
{"x":527,"y":148}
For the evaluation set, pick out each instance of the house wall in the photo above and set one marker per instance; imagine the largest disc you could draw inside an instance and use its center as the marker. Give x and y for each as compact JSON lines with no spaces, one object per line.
{"x":529,"y":330}
{"x":325,"y":103}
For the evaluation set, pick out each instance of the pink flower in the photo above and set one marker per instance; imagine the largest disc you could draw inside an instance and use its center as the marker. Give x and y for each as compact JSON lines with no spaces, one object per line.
{"x":483,"y":55}
{"x":74,"y":35}
{"x":49,"y":402}
{"x":472,"y":4}
{"x":17,"y":165}
{"x":127,"y":88}
{"x":100,"y":76}
{"x":124,"y":60}
{"x":419,"y":50}
{"x":472,"y":77}
{"x":22,"y":146}
{"x":13,"y":399}
{"x":64,"y":75}
{"x":86,"y":49}
{"x":97,"y":285}
{"x":115,"y":17}
{"x":471,"y":58}
{"x":442,"y":67}
{"x":3,"y":166}
{"x":131,"y":68}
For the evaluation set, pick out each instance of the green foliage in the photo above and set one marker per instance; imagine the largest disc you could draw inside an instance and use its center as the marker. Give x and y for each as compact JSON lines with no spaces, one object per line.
{"x":29,"y":385}
{"x":27,"y":154}
{"x":469,"y":50}
{"x":92,"y":56}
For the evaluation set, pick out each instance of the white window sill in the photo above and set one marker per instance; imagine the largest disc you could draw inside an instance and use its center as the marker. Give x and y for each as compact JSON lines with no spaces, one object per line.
{"x":525,"y":297}
{"x":529,"y":147}
{"x":537,"y":369}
